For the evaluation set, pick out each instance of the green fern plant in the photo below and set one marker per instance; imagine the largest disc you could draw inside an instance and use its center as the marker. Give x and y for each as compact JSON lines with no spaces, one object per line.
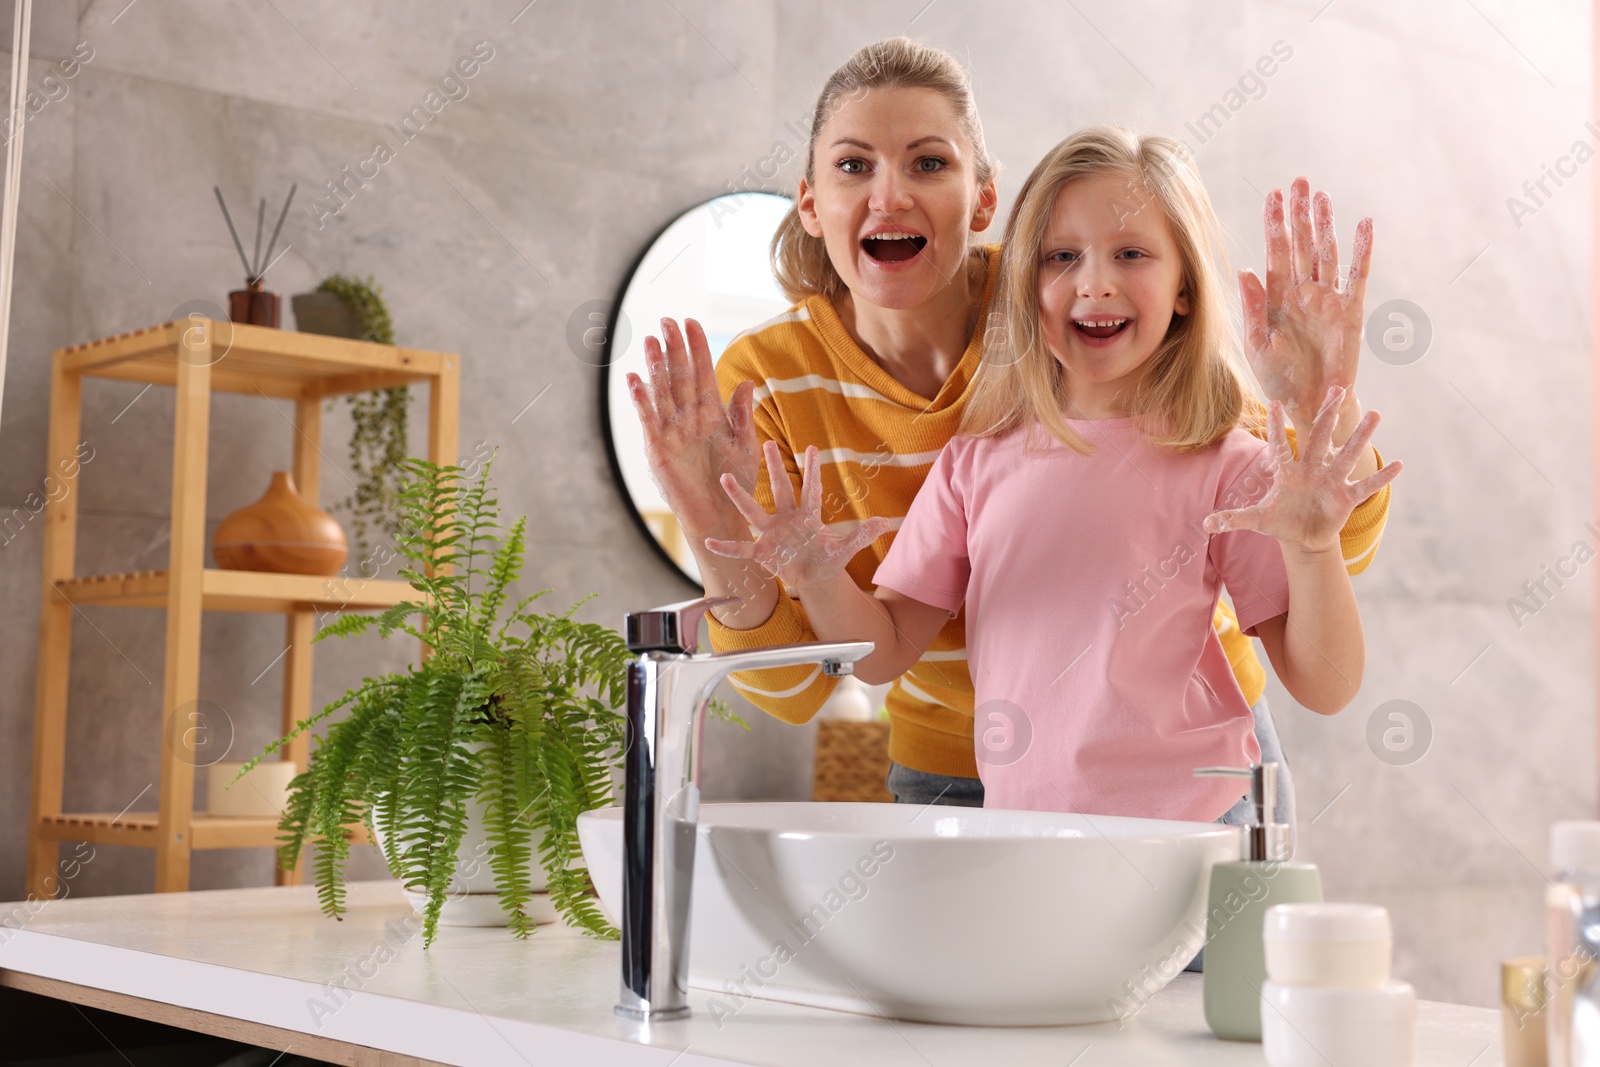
{"x":378,"y":421}
{"x":516,"y":709}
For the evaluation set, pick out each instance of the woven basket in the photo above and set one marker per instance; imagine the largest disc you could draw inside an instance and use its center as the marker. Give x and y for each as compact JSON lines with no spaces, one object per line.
{"x":852,"y":761}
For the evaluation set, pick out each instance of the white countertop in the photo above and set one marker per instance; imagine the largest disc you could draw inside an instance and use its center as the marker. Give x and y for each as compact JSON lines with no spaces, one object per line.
{"x":479,"y":996}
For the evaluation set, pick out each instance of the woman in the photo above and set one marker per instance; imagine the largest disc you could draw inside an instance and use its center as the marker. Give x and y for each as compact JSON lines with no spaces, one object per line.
{"x":874,"y":365}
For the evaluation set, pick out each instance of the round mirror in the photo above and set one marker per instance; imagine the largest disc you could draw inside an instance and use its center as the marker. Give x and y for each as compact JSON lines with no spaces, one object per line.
{"x":711,"y":264}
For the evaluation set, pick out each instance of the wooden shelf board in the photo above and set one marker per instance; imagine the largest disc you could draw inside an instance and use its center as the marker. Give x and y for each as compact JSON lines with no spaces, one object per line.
{"x":227,"y":590}
{"x":142,"y":828}
{"x":106,"y":828}
{"x":223,"y":379}
{"x":259,"y":358}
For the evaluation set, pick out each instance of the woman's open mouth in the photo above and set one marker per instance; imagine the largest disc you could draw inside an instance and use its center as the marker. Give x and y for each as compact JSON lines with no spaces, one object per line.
{"x":1100,"y":329}
{"x":898,"y":246}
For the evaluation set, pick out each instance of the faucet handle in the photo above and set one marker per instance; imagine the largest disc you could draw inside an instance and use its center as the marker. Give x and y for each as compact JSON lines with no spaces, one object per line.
{"x":671,"y":627}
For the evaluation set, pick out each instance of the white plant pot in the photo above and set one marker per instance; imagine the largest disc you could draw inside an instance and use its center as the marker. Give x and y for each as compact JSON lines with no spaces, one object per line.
{"x":473,"y":899}
{"x":483,"y":909}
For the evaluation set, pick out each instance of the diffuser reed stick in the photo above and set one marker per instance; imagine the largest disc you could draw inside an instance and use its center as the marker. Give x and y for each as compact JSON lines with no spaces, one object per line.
{"x":255,"y":267}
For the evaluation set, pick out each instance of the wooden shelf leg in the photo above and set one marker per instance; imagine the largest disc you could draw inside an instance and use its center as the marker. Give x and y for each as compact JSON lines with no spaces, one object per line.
{"x":180,"y":716}
{"x":49,"y":741}
{"x":55,"y":632}
{"x":444,"y":418}
{"x":301,"y":625}
{"x":297,"y":706}
{"x":444,"y":413}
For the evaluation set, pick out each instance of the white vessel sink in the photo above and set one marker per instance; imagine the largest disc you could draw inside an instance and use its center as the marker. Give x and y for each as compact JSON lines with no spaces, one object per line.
{"x":937,"y":914}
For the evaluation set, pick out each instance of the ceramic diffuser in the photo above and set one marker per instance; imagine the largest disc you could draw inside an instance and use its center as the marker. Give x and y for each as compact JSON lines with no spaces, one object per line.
{"x":282,"y":533}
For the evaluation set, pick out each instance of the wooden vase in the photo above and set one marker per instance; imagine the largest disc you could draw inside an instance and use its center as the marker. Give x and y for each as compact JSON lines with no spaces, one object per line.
{"x":281,"y":533}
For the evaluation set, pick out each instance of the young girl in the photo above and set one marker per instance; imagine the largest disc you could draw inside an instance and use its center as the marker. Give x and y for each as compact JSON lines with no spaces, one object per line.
{"x":1099,"y":495}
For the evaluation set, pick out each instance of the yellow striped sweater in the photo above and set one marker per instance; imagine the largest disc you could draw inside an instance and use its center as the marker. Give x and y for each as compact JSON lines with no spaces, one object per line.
{"x":815,"y":386}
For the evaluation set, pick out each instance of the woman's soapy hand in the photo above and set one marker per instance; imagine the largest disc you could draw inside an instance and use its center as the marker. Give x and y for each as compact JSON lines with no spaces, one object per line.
{"x":1302,"y":330}
{"x":793,"y":543}
{"x":691,"y":440}
{"x":1311,"y":497}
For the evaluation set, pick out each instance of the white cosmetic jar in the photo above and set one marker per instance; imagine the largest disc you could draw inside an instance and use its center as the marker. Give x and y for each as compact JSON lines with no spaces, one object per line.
{"x":1303,"y":1026}
{"x":1329,"y":944}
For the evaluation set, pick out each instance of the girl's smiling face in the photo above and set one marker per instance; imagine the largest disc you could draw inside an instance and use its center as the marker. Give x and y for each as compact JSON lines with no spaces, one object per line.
{"x":894,"y":194}
{"x":1110,"y":281}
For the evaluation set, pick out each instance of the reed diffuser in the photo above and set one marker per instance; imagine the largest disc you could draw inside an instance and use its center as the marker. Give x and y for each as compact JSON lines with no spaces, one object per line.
{"x":253,"y":304}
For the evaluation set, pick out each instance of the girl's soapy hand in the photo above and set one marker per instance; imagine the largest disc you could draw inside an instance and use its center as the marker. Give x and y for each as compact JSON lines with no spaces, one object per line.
{"x":1302,"y":330}
{"x":1311,"y":497}
{"x":793,"y":543}
{"x":690,"y":439}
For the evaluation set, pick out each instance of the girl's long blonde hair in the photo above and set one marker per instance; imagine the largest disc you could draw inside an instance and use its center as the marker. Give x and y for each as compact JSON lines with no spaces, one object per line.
{"x":800,"y":261}
{"x":1191,"y":393}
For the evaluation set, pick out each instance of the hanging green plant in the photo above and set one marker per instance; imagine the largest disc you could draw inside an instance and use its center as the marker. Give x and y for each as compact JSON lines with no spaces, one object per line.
{"x":378,"y":423}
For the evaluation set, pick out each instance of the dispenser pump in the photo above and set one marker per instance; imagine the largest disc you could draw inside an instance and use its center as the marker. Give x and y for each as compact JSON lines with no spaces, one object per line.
{"x":1235,"y":960}
{"x":1268,"y":839}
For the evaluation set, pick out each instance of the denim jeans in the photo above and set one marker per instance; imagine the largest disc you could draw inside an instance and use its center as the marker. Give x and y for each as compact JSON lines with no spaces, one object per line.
{"x":919,"y":787}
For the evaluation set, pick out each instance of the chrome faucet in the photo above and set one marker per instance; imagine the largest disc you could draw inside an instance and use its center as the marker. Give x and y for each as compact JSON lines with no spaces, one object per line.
{"x":668,"y":686}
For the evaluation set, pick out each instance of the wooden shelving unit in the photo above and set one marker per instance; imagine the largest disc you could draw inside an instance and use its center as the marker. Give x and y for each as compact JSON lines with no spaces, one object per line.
{"x":195,"y":358}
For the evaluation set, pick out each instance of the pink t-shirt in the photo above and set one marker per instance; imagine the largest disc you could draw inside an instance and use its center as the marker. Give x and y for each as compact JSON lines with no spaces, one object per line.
{"x":1090,"y":587}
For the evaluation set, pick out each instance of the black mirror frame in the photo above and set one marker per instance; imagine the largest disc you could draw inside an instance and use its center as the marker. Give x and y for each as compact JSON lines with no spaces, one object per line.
{"x":606,"y":435}
{"x":610,"y":357}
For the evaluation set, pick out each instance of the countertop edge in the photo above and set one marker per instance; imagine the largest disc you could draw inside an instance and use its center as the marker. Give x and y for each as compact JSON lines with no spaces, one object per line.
{"x":372,"y":1020}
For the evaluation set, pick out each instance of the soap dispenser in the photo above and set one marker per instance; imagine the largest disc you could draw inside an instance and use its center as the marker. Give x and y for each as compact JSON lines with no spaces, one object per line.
{"x":1241,"y":893}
